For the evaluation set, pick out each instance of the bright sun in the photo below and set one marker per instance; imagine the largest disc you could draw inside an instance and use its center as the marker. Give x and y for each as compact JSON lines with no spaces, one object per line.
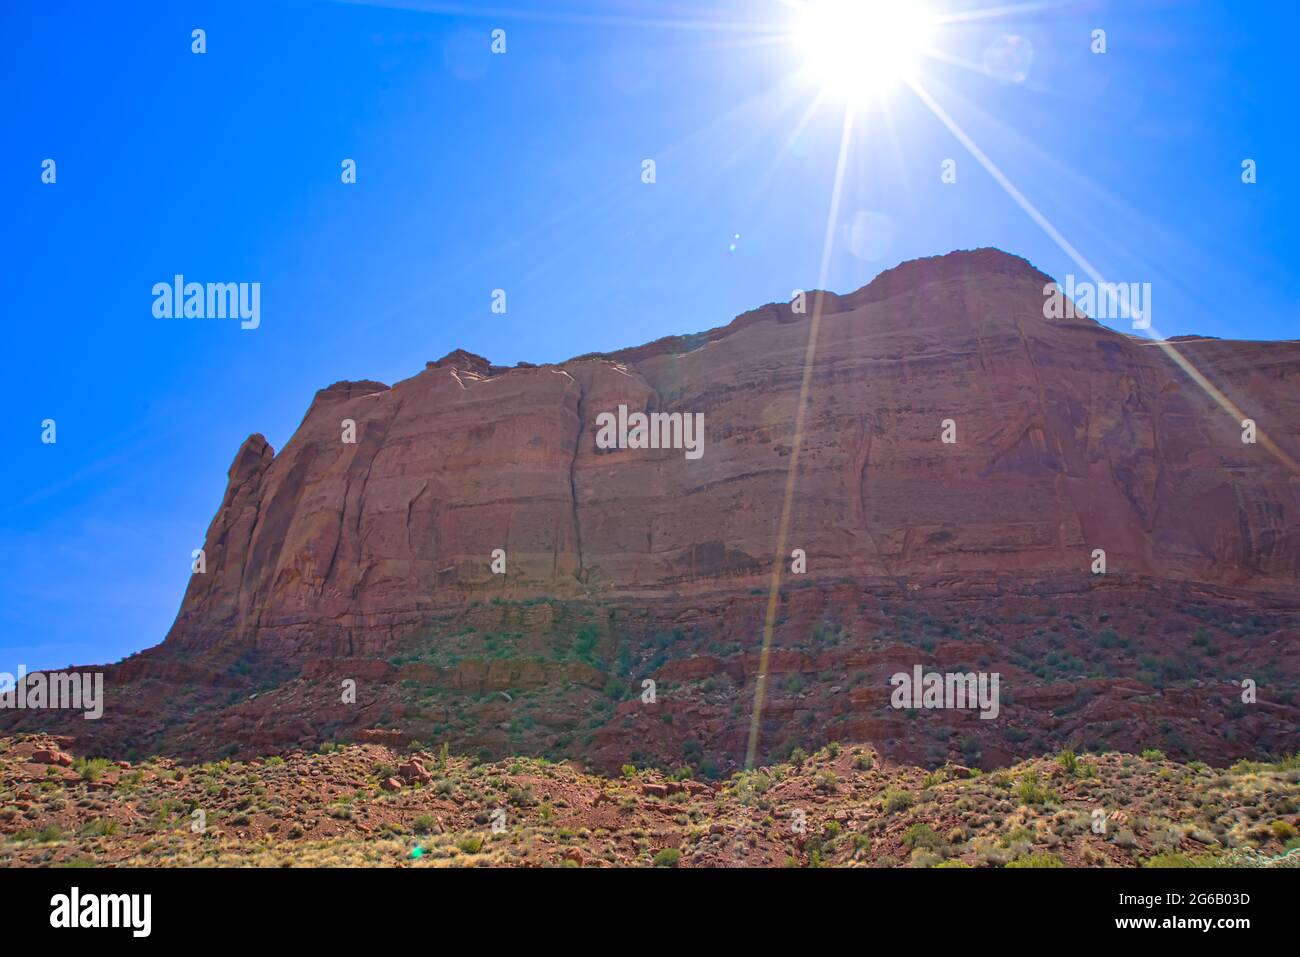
{"x":861,"y":47}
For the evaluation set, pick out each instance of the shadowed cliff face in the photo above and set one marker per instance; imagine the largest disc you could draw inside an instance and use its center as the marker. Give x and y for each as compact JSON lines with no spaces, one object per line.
{"x":1070,"y":437}
{"x":370,"y":561}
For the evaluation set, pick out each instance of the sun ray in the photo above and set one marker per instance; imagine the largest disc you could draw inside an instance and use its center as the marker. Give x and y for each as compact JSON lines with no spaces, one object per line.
{"x":993,"y":13}
{"x":792,"y":472}
{"x":573,"y":19}
{"x":1216,"y":394}
{"x":793,"y":137}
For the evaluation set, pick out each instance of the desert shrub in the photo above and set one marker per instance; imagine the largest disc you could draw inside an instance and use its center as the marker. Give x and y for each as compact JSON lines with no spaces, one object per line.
{"x":1124,"y":838}
{"x":1283,"y":830}
{"x":668,"y":857}
{"x":1039,"y":859}
{"x":100,"y":827}
{"x":45,"y":835}
{"x":1069,"y":760}
{"x":897,"y":800}
{"x":923,"y":836}
{"x":91,"y":769}
{"x":470,"y":844}
{"x":1030,"y":791}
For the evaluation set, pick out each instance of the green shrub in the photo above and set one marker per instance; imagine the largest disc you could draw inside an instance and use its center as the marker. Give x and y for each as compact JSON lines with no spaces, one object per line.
{"x":897,"y":800}
{"x":1283,"y":830}
{"x":470,"y":844}
{"x":668,"y":857}
{"x":1039,"y":859}
{"x":45,"y":835}
{"x":1070,"y":761}
{"x":922,"y":836}
{"x":1029,"y":791}
{"x":91,"y":769}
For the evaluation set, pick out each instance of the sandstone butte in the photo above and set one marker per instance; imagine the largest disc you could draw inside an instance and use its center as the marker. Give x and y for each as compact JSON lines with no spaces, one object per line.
{"x":372,"y":560}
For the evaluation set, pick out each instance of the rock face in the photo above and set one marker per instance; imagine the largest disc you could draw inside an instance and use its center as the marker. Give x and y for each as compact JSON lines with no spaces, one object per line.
{"x":349,"y":592}
{"x":1070,"y":437}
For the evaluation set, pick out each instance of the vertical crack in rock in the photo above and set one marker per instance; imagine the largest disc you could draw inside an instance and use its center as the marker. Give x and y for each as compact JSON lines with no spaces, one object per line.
{"x":1246,"y":528}
{"x":573,"y":480}
{"x":370,"y":464}
{"x":1062,"y":459}
{"x":410,"y":509}
{"x":338,"y":538}
{"x":248,"y":547}
{"x":865,"y":455}
{"x":363,"y":462}
{"x":1158,"y":450}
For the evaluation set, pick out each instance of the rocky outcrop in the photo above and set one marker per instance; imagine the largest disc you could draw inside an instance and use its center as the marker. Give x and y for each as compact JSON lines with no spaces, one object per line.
{"x":348,"y":591}
{"x":1069,"y":437}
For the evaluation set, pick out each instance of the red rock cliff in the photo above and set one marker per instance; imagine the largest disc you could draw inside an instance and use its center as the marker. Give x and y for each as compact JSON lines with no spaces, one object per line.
{"x":1070,"y":437}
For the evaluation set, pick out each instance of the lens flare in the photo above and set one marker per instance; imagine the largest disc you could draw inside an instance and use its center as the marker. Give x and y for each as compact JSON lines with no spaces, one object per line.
{"x":861,"y":47}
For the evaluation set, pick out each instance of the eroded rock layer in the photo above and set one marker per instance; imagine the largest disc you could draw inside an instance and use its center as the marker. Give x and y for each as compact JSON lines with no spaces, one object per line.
{"x":369,"y":562}
{"x":1070,"y":437}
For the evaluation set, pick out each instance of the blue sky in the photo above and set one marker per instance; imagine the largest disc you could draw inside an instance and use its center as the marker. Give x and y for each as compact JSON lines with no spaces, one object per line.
{"x":522,"y":172}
